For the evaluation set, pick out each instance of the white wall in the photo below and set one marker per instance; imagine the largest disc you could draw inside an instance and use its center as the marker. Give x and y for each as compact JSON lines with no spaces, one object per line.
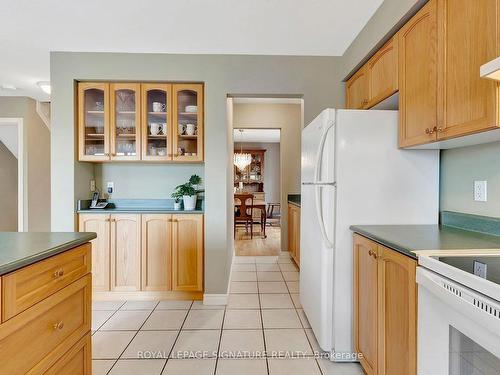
{"x":8,"y":189}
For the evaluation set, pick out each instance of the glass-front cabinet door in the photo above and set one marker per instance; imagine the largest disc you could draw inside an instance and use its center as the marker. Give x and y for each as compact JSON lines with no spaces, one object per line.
{"x":188,"y":122}
{"x":156,"y":133}
{"x":93,"y":121}
{"x":125,"y":121}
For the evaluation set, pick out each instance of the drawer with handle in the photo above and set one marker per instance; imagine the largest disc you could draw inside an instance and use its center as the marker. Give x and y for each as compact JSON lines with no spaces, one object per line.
{"x":32,"y":341}
{"x":29,"y":285}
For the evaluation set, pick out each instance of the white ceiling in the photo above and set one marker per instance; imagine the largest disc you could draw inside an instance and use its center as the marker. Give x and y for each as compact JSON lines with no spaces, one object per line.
{"x":29,"y":30}
{"x":256,"y":135}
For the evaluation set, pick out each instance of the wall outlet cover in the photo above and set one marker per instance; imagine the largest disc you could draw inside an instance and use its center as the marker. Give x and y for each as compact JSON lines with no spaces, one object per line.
{"x":110,"y":187}
{"x":480,"y":269}
{"x":92,"y":185}
{"x":480,"y":191}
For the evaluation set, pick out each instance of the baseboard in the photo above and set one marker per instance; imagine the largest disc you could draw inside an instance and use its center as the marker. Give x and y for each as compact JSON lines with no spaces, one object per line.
{"x":215,"y":299}
{"x":145,"y":296}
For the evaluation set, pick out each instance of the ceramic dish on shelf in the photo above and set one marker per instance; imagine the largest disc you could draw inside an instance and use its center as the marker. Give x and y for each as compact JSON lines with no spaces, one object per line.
{"x":191,"y":108}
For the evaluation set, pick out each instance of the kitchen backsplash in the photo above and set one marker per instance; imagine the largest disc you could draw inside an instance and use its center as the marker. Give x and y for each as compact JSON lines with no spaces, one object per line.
{"x":144,"y":181}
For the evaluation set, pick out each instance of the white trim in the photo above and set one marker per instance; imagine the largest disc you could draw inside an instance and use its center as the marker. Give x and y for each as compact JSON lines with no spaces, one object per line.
{"x":22,"y":206}
{"x":215,"y":299}
{"x":43,"y":115}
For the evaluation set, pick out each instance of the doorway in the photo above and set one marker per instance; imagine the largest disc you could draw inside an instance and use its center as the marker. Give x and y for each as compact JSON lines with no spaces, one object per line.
{"x":257,"y":176}
{"x":265,"y":129}
{"x":12,"y":170}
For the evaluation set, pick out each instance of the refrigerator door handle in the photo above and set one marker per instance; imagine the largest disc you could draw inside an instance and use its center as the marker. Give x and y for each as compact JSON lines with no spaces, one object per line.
{"x":319,"y":214}
{"x":319,"y":157}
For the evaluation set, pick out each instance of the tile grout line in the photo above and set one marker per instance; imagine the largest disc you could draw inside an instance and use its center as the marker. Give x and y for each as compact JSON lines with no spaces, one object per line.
{"x":220,"y":340}
{"x":123,"y":351}
{"x":262,"y":325}
{"x":176,"y":338}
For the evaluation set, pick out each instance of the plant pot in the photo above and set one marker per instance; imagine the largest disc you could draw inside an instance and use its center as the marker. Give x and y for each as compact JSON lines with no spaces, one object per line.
{"x":189,"y":202}
{"x":177,"y":206}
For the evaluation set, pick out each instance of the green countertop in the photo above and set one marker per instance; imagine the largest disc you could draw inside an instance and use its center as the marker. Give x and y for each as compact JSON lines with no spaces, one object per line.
{"x":20,"y":249}
{"x":408,"y":238}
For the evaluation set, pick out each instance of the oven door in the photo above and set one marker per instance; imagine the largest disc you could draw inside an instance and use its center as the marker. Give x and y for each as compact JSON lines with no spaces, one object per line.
{"x":458,"y":329}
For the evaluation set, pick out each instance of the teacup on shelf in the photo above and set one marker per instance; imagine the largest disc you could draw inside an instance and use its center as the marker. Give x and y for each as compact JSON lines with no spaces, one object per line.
{"x":155,"y":128}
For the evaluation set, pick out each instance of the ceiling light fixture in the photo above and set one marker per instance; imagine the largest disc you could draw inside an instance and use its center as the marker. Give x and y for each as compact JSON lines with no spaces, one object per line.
{"x":45,"y":86}
{"x":491,"y":69}
{"x":242,"y":160}
{"x":8,"y":86}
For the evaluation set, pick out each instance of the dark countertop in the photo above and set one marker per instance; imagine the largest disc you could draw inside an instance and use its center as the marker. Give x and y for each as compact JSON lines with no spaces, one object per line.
{"x":137,"y":206}
{"x":408,"y":238}
{"x":20,"y":249}
{"x":294,"y":199}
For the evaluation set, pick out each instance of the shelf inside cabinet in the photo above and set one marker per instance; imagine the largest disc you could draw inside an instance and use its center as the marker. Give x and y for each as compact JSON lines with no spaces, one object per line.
{"x":95,"y":112}
{"x":188,"y":136}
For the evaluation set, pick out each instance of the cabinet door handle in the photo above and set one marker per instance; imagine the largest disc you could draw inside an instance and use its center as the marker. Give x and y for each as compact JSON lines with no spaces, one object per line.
{"x":58,"y":273}
{"x":373,"y":254}
{"x":430,"y":131}
{"x":58,"y":326}
{"x":440,"y":130}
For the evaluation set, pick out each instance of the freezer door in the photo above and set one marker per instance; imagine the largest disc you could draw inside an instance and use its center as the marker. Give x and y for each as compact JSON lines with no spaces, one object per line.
{"x":316,"y":263}
{"x":314,"y":141}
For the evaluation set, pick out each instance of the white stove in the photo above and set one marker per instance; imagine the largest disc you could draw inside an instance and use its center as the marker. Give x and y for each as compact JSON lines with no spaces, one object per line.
{"x":458,"y":315}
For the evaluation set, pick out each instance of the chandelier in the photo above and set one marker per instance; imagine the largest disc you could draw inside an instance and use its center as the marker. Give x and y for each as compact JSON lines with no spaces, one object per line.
{"x":242,"y":160}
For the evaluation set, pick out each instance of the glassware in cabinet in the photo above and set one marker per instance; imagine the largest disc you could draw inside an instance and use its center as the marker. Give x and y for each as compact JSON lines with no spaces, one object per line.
{"x":188,"y":122}
{"x":156,"y":135}
{"x":125,"y":121}
{"x":93,"y":121}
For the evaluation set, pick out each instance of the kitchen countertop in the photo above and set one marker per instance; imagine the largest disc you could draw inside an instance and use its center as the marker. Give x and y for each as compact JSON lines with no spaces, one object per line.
{"x":412,"y":240}
{"x":294,"y":199}
{"x":20,"y":249}
{"x":137,"y":206}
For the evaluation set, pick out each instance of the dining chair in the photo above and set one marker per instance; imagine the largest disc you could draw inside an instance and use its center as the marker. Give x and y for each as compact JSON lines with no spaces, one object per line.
{"x":243,"y":212}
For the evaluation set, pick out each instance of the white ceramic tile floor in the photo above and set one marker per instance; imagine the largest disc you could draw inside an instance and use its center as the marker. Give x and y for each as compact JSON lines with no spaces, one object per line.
{"x":262,"y":326}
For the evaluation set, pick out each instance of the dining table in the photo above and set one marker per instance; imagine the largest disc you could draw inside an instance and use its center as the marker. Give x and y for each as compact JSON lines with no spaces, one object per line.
{"x":260,"y":205}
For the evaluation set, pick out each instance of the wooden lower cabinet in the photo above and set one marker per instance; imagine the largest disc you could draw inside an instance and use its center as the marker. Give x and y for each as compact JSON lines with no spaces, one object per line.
{"x":365,"y":302}
{"x":101,"y":251}
{"x":294,"y":232}
{"x":187,"y":252}
{"x":158,"y":253}
{"x":36,"y":340}
{"x":76,"y":361}
{"x":385,"y":309}
{"x":125,"y":252}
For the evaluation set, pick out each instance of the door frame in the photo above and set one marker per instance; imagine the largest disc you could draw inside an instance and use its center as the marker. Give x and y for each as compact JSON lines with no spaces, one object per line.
{"x":22,"y":201}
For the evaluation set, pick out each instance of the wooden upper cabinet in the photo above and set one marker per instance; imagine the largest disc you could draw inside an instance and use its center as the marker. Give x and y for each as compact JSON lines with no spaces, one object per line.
{"x":397,"y":313}
{"x":187,"y":252}
{"x":158,"y":122}
{"x":156,"y":119}
{"x":125,"y":252}
{"x":357,"y":90}
{"x":93,"y":121}
{"x":383,"y":72}
{"x":101,"y":250}
{"x":188,"y":122}
{"x":418,"y":77}
{"x":470,"y":37}
{"x":365,"y":302}
{"x":156,"y":252}
{"x":125,"y":121}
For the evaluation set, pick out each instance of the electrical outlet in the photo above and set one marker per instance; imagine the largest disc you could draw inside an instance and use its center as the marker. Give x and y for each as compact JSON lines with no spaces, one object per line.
{"x":480,"y":191}
{"x":480,"y":269}
{"x":92,"y":185}
{"x":110,"y":187}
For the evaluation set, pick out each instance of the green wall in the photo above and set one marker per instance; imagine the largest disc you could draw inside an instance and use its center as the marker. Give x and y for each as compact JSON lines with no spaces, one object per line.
{"x":316,"y":78}
{"x":459,"y":168}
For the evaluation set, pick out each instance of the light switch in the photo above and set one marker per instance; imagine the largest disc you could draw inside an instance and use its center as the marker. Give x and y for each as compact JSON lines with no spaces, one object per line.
{"x":480,"y":191}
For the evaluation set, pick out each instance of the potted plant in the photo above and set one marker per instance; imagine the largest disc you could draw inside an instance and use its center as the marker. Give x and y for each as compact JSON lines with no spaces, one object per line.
{"x":177,"y":195}
{"x":188,"y":192}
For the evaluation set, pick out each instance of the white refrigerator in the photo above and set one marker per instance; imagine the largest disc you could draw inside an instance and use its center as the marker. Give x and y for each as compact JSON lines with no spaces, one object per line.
{"x":353,"y":173}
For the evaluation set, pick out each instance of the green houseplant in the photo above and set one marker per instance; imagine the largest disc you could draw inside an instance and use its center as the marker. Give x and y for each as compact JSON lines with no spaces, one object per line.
{"x":187,"y":192}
